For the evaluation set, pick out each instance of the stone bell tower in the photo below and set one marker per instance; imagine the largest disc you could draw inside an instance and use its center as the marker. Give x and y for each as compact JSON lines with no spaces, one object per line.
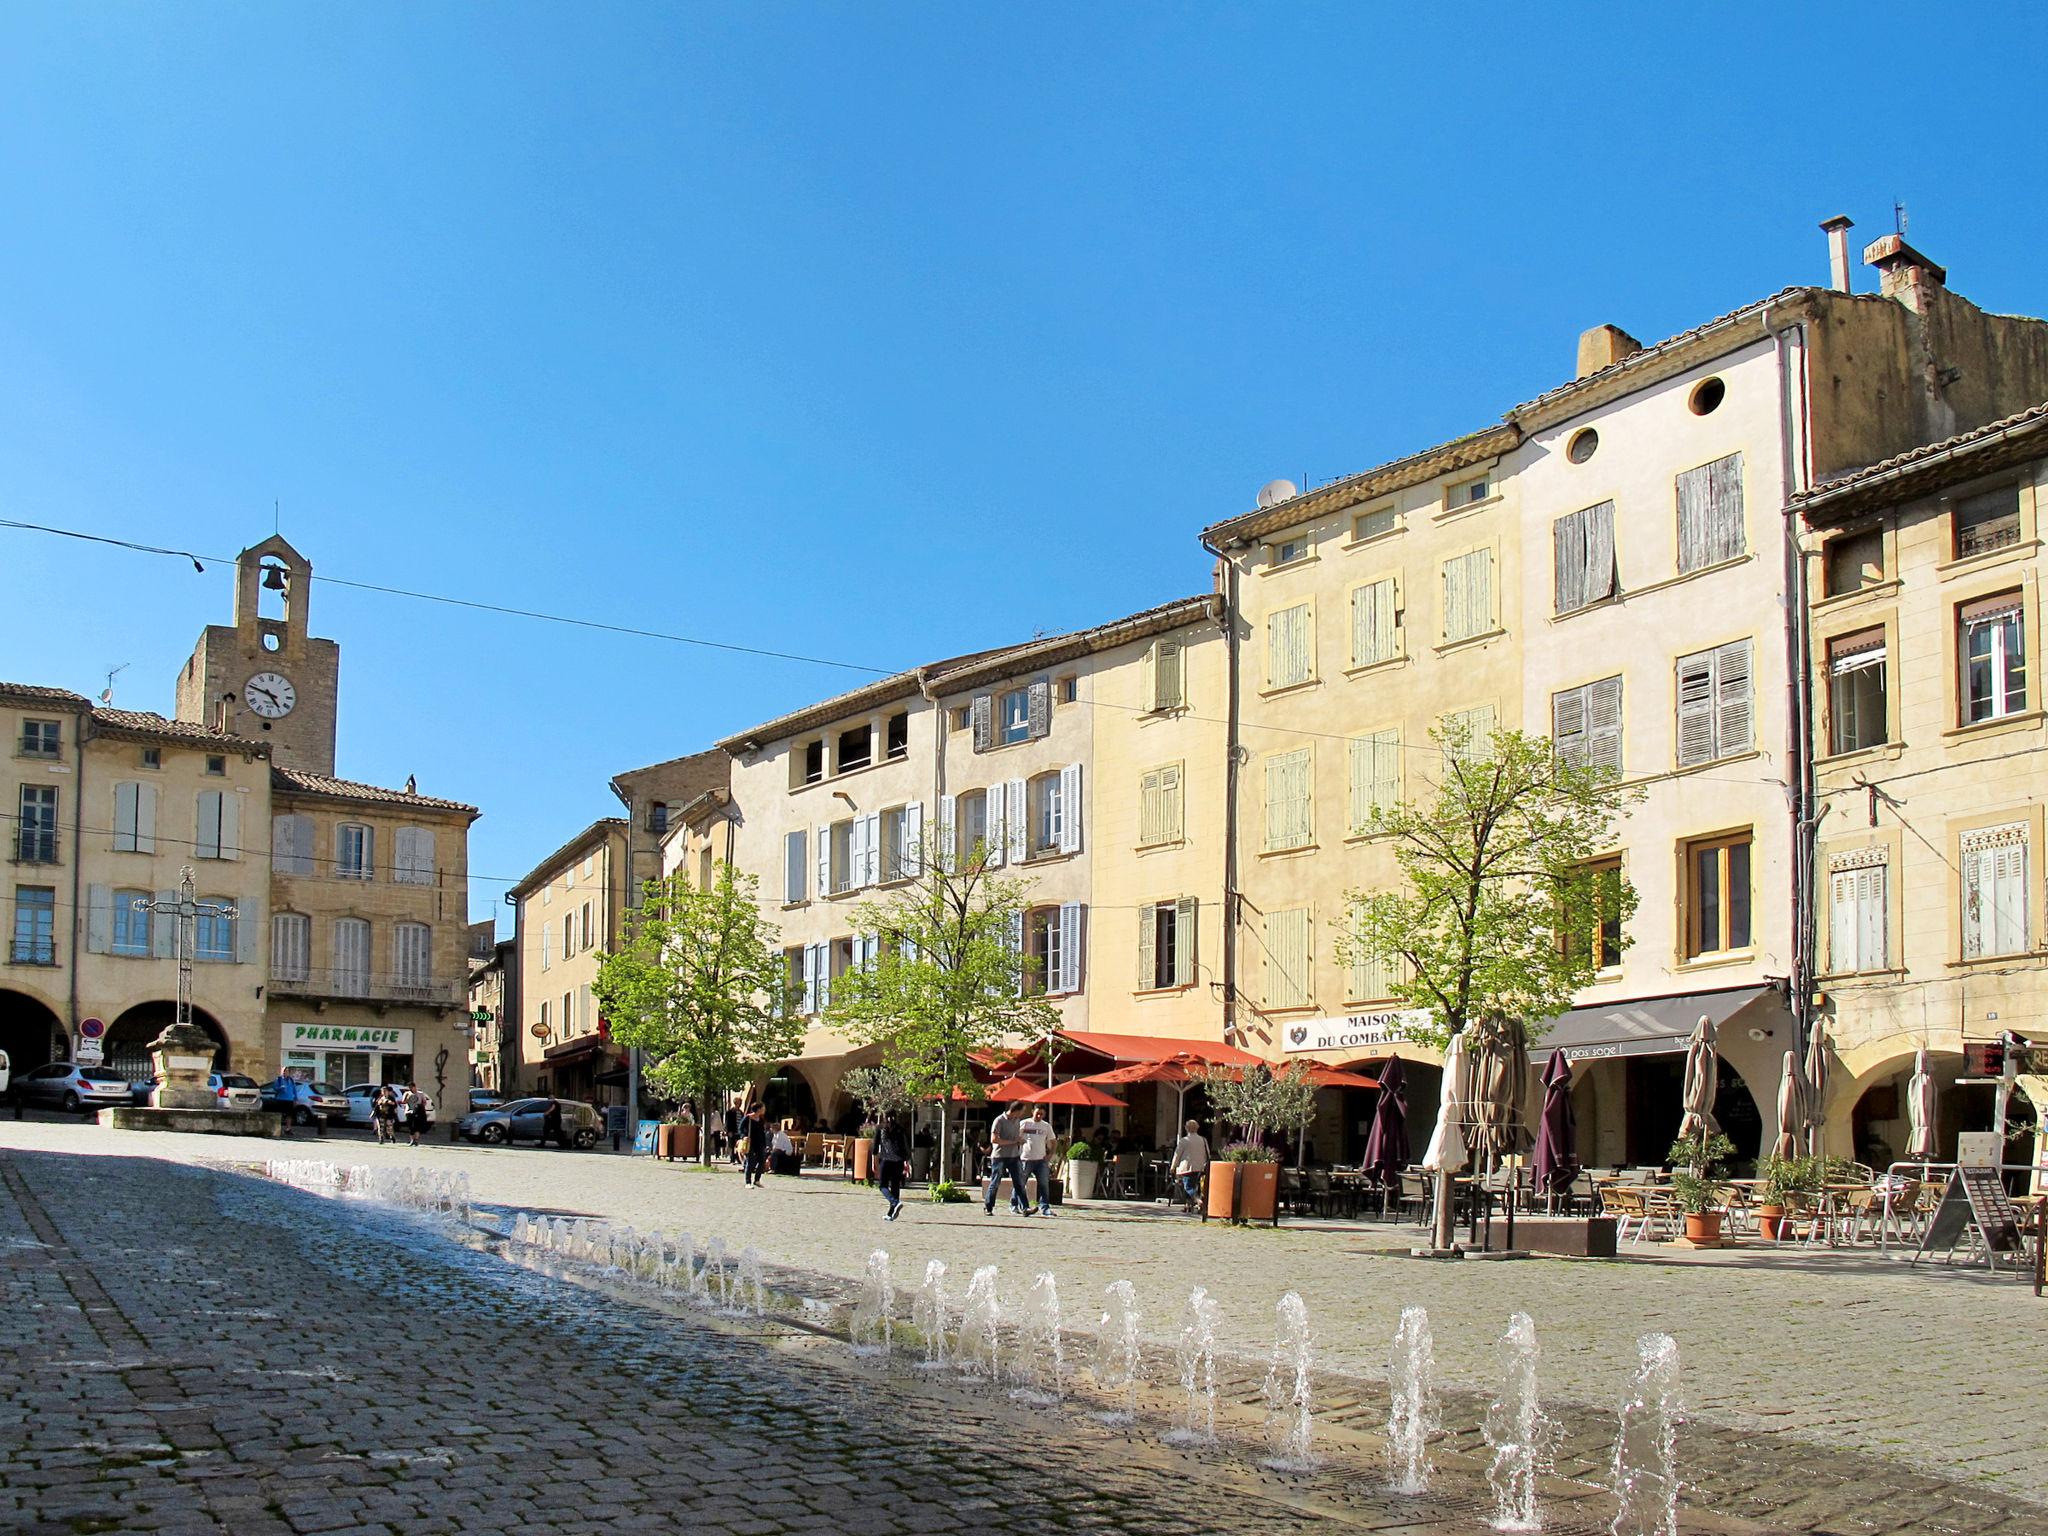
{"x":267,"y":677}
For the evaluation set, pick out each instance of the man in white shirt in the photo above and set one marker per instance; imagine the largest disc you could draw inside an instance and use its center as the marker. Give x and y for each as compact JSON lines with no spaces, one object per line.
{"x":1005,"y":1143}
{"x":1191,"y":1161}
{"x":1038,"y":1135}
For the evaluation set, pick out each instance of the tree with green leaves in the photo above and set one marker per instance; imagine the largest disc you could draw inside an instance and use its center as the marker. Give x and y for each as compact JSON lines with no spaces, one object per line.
{"x":1502,"y":915}
{"x":942,"y":975}
{"x":879,"y":1090}
{"x":699,"y":986}
{"x":1260,"y":1099}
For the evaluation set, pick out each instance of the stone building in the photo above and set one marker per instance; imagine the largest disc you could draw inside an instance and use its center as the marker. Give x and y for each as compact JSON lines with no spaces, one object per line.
{"x":567,"y":911}
{"x":652,"y":797}
{"x":493,"y":1006}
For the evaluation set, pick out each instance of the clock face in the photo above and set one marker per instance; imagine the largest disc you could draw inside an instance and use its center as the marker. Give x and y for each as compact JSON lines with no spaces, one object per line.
{"x":270,"y":694}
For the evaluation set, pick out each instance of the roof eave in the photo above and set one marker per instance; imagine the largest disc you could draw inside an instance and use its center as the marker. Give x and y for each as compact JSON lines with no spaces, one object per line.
{"x":597,"y":831}
{"x":898,"y":685}
{"x":1087,"y":642}
{"x":1858,"y":495}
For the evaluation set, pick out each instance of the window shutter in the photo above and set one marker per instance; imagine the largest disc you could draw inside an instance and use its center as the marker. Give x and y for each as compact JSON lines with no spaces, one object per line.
{"x":547,"y":944}
{"x":1148,"y":948}
{"x":1374,"y":610}
{"x":1070,"y":946}
{"x":1599,"y":551}
{"x":1710,"y":514}
{"x":1873,"y":947}
{"x":1842,"y":919}
{"x":1170,"y":819}
{"x":207,"y":844}
{"x":2009,"y":897}
{"x":99,"y":919}
{"x":1070,"y":808}
{"x":913,"y":840}
{"x":1151,"y":808}
{"x":860,"y":853}
{"x":230,"y":825}
{"x":1287,"y":958}
{"x":824,"y":862}
{"x":1732,"y":734}
{"x":249,"y":938}
{"x":1696,"y":712}
{"x":1041,"y":709}
{"x":993,"y":838}
{"x":810,"y":965}
{"x":1014,"y":939}
{"x":874,"y":864}
{"x":1302,"y":646}
{"x":291,"y":845}
{"x":1568,"y":725}
{"x":982,"y":714}
{"x":1168,"y":691}
{"x":125,"y":796}
{"x":1186,"y":918}
{"x":1016,"y":821}
{"x":1694,"y":538}
{"x":1603,"y":723}
{"x":794,"y":862}
{"x":1568,"y":546}
{"x":944,"y":836}
{"x":162,"y":929}
{"x":824,"y":963}
{"x":1276,"y":649}
{"x":423,"y":867}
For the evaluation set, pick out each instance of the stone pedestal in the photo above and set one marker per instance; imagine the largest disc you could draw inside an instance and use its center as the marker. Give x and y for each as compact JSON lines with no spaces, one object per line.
{"x":182,"y":1056}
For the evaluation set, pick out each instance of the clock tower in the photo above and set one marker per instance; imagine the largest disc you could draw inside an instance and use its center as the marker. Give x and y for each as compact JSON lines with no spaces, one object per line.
{"x":266,"y":677}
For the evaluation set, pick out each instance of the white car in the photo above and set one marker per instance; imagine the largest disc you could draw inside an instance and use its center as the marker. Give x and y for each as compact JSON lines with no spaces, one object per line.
{"x":361,"y":1095}
{"x":235,"y":1091}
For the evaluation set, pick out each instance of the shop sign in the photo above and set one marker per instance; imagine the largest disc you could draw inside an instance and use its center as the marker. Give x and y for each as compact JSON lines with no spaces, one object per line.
{"x":347,"y":1037}
{"x":1358,"y":1031}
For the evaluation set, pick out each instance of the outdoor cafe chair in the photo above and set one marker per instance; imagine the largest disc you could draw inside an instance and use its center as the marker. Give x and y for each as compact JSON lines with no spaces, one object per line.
{"x":1125,"y":1172}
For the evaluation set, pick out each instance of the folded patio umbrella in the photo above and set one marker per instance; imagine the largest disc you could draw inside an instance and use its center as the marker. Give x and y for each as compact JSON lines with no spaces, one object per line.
{"x":1447,"y":1151}
{"x":1816,"y":1087}
{"x":1791,"y":1108}
{"x":1557,"y":1134}
{"x":1702,"y":1062}
{"x":1386,"y":1144}
{"x":1500,"y":1071}
{"x":1920,"y":1109}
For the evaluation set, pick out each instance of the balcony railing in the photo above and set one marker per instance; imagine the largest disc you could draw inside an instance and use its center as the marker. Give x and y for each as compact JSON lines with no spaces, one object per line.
{"x":1986,"y":537}
{"x":32,"y":845}
{"x":367,"y":986}
{"x":32,"y":952}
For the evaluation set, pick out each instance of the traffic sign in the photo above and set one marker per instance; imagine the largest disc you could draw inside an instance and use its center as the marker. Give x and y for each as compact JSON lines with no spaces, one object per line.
{"x":92,"y":1029}
{"x":88,"y":1053}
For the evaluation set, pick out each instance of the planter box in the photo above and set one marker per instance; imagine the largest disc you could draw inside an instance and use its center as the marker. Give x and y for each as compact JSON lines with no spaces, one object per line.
{"x":1587,"y":1237}
{"x":864,"y":1159}
{"x":1243,"y":1192}
{"x":1082,"y":1176}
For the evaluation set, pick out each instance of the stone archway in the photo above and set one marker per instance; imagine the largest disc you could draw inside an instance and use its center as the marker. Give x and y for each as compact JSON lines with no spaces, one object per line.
{"x":30,"y":1032}
{"x":1867,"y":1118}
{"x":128,"y":1037}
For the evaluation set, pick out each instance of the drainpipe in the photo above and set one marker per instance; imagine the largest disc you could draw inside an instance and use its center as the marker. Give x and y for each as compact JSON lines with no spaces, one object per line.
{"x":84,"y":720}
{"x":1230,"y":783}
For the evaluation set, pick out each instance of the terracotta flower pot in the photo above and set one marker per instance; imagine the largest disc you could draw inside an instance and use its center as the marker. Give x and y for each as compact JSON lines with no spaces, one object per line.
{"x":1770,"y":1222}
{"x":1258,"y":1191}
{"x":685,"y":1144}
{"x":665,"y":1141}
{"x":1703,"y":1226}
{"x":1223,"y":1190}
{"x":863,"y":1158}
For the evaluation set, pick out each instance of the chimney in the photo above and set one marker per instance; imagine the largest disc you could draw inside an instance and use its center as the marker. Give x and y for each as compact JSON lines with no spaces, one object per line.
{"x":1903,"y":273}
{"x":1838,"y":251}
{"x":1603,"y":346}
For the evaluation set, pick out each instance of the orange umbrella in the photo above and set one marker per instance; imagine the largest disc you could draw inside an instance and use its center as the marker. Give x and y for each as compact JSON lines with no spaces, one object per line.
{"x":1174,"y":1069}
{"x":1331,"y":1077}
{"x":1076,"y":1093}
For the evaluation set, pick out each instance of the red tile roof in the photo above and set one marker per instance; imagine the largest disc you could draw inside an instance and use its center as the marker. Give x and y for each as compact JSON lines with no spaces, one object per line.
{"x":298,"y":781}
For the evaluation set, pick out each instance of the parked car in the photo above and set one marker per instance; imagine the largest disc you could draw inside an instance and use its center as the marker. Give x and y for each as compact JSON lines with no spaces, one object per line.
{"x":362,"y":1095}
{"x":484,"y":1098}
{"x":302,"y":1101}
{"x":70,"y":1086}
{"x":521,"y":1120}
{"x":235,"y":1091}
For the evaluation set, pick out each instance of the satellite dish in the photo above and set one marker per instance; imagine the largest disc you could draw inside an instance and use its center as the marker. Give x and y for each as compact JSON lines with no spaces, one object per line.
{"x":1273,"y":492}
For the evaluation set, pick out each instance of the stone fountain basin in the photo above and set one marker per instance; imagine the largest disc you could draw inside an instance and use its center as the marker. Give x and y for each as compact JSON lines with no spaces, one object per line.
{"x":204,"y":1122}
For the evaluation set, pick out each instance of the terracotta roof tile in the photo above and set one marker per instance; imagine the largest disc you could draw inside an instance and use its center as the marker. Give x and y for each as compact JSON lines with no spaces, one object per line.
{"x":143,"y":722}
{"x":298,"y":781}
{"x":1961,"y":442}
{"x":37,"y":693}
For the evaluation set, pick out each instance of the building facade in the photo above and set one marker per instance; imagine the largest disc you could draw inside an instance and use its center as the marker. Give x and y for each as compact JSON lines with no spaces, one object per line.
{"x":567,"y":912}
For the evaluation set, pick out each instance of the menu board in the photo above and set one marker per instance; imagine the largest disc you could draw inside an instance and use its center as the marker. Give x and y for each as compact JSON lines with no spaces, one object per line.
{"x":1975,"y":1197}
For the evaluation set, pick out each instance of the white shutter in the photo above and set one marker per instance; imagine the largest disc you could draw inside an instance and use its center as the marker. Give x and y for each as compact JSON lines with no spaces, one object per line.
{"x":1842,"y":920}
{"x":1603,"y":723}
{"x":1287,"y":959}
{"x":413,"y":856}
{"x":1148,"y":948}
{"x":547,"y":944}
{"x":1375,"y":776}
{"x":1016,"y":820}
{"x":822,"y":967}
{"x":125,"y":796}
{"x":1873,"y":901}
{"x":993,"y":838}
{"x":1373,"y":634}
{"x":1290,"y":647}
{"x":1014,"y":937}
{"x":795,"y":865}
{"x":1468,"y":595}
{"x":99,"y":919}
{"x":230,"y":825}
{"x":248,"y":935}
{"x":1599,"y":551}
{"x":1168,"y":689}
{"x":207,"y":843}
{"x":1696,"y":712}
{"x":291,"y":845}
{"x":1289,"y":818}
{"x":943,"y":836}
{"x":913,"y":840}
{"x":2009,"y":898}
{"x":1302,"y":645}
{"x":1186,"y":925}
{"x":1070,"y":946}
{"x":289,"y":959}
{"x":824,"y":862}
{"x":810,"y":964}
{"x":1732,"y":733}
{"x":1070,"y":808}
{"x":858,"y":848}
{"x":1170,"y":822}
{"x":163,"y":928}
{"x":1568,"y":724}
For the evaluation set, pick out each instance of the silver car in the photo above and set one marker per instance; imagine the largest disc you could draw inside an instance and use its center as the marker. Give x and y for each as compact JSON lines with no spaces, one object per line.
{"x":523,"y":1119}
{"x":67,"y":1085}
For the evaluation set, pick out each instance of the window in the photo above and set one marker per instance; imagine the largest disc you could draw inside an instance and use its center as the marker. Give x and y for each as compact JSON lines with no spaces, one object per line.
{"x":856,"y":748}
{"x":1994,"y":657}
{"x":1987,"y":521}
{"x":1710,"y":514}
{"x":152,"y":757}
{"x":1603,"y":944}
{"x":795,"y":861}
{"x":217,"y":766}
{"x":705,"y":877}
{"x":1375,"y":777}
{"x":1858,"y":906}
{"x":895,"y":843}
{"x":42,"y":738}
{"x":811,"y":763}
{"x":1372,"y":977}
{"x":291,"y":942}
{"x":545,"y":1030}
{"x":1287,"y":959}
{"x":35,"y":925}
{"x":848,"y":855}
{"x":657,"y":818}
{"x":1166,"y":944}
{"x":213,"y":934}
{"x":1707,"y":396}
{"x":1016,"y":715}
{"x":1290,"y":646}
{"x":1713,"y":704}
{"x":1468,"y":493}
{"x":1067,"y":690}
{"x":134,"y":818}
{"x":1159,"y":806}
{"x":1717,"y":896}
{"x":1585,"y":724}
{"x":412,"y":953}
{"x":352,"y":957}
{"x":1583,"y":445}
{"x":963,"y":718}
{"x":35,"y":837}
{"x":547,"y":946}
{"x":971,"y":814}
{"x":1994,"y":890}
{"x":1852,"y":562}
{"x":589,"y":928}
{"x":1287,"y":551}
{"x":131,"y":919}
{"x":412,"y":856}
{"x":1375,"y":521}
{"x":568,"y":935}
{"x":1583,"y":550}
{"x":354,"y":851}
{"x":1468,"y":734}
{"x":896,"y":735}
{"x":1165,"y":675}
{"x":1041,"y":950}
{"x":1375,"y":622}
{"x":1047,"y":810}
{"x":1468,"y":595}
{"x":1290,"y":819}
{"x":220,"y":825}
{"x":1856,"y":692}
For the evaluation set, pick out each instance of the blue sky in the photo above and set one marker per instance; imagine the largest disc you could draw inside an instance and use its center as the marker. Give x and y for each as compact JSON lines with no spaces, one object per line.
{"x":869,"y":332}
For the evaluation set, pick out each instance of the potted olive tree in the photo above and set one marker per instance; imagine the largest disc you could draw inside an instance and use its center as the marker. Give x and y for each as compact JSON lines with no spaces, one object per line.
{"x":1244,"y":1180}
{"x":1696,"y":1163}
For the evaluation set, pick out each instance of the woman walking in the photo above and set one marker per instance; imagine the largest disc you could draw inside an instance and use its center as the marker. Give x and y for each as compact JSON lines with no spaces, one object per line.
{"x":384,"y":1114}
{"x":415,"y":1112}
{"x":892,"y":1151}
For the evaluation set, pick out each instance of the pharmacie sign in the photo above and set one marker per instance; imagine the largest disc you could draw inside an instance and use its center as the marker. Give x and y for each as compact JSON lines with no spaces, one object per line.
{"x":1357,"y":1031}
{"x":347,"y":1037}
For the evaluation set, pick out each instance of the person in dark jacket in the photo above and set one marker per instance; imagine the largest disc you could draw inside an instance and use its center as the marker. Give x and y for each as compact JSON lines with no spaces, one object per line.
{"x":892,"y":1151}
{"x":755,"y":1141}
{"x":551,"y":1124}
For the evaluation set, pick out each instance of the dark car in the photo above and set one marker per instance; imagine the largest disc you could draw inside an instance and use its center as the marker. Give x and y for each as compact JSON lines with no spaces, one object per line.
{"x":522,"y":1119}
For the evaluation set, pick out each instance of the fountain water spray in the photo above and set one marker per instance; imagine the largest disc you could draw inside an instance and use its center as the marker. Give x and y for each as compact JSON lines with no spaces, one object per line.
{"x":873,"y":1328}
{"x":1042,"y":1363}
{"x":681,"y":1275}
{"x":749,"y":1297}
{"x":1523,"y":1437}
{"x":1288,"y":1424}
{"x":1413,"y":1417}
{"x":1196,"y":1352}
{"x":981,"y":1320}
{"x":928,"y":1314}
{"x":1646,"y":1449}
{"x":1118,"y":1356}
{"x":716,"y":1285}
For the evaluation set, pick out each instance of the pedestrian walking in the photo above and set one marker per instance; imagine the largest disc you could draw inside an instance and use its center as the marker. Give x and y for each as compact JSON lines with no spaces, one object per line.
{"x":731,"y":1121}
{"x":384,"y":1114}
{"x":1005,"y":1160}
{"x":1038,"y":1136}
{"x":551,"y":1125}
{"x":892,"y":1151}
{"x":1190,"y":1162}
{"x":754,"y":1145}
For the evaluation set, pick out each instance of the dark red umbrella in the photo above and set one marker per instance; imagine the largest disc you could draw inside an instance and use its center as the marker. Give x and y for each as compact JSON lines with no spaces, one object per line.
{"x":1557,"y":1137}
{"x":1386,"y":1145}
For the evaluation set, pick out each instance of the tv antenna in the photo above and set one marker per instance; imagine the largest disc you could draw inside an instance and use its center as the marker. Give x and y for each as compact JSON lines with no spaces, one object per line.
{"x":1899,"y":217}
{"x":107,"y":693}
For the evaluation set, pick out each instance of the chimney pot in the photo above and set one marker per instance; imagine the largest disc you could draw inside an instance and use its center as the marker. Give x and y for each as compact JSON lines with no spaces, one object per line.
{"x":1603,"y":346}
{"x":1838,"y":251}
{"x":1903,"y":273}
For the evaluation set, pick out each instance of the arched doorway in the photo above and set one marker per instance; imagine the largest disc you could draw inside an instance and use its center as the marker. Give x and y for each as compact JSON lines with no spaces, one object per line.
{"x":787,"y":1096}
{"x":30,"y":1032}
{"x":1735,"y":1107}
{"x":1879,"y":1123}
{"x":128,"y":1037}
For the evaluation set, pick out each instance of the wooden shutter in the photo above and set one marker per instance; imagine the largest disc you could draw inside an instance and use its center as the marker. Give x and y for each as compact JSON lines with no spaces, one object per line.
{"x":913,"y":840}
{"x":1186,"y":925}
{"x":1151,"y":808}
{"x":795,"y":862}
{"x":1070,"y":808}
{"x":1873,"y":908}
{"x":1733,"y":715}
{"x":1375,"y":636}
{"x":1568,"y":559}
{"x":2009,"y":897}
{"x":1276,"y":649}
{"x":289,"y":957}
{"x":982,"y":715}
{"x":207,"y":843}
{"x":1600,"y":577}
{"x":99,"y":919}
{"x":1288,"y":822}
{"x":1468,"y":595}
{"x":1168,"y":682}
{"x":1170,"y":821}
{"x":1016,"y":820}
{"x":125,"y":796}
{"x":1710,"y":518}
{"x":1568,"y":724}
{"x":1040,"y":700}
{"x":1696,"y":708}
{"x":1603,"y":724}
{"x":1287,"y":959}
{"x":943,"y":835}
{"x":1148,"y":948}
{"x":1070,"y":946}
{"x":1842,"y":920}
